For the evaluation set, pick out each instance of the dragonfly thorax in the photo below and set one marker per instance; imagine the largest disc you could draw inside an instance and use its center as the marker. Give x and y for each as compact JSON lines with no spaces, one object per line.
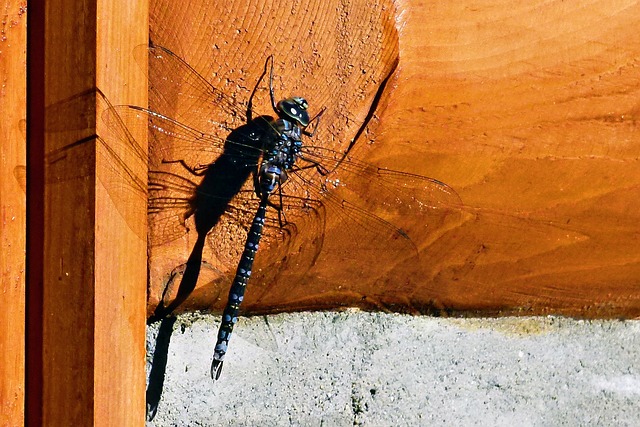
{"x":280,"y":157}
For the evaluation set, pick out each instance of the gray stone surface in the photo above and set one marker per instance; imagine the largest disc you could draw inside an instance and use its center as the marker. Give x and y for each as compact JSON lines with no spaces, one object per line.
{"x":371,"y":369}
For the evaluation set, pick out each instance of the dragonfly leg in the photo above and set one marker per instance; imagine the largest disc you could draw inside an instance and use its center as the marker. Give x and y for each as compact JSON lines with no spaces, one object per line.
{"x":198,"y":170}
{"x":273,"y":98}
{"x":255,"y":89}
{"x":281,"y":217}
{"x":315,"y":119}
{"x":313,"y":164}
{"x":256,"y":185}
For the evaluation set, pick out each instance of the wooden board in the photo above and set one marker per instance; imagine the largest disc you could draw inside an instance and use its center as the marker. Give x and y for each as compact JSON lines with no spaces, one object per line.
{"x":87,"y":252}
{"x":13,"y":204}
{"x":526,"y":110}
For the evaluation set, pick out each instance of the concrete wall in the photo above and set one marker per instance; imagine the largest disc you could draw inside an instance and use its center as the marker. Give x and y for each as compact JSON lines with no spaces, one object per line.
{"x":355,"y":368}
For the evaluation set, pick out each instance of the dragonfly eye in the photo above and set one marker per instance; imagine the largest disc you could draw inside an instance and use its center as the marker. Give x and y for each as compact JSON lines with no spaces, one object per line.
{"x":301,"y":102}
{"x":294,"y":109}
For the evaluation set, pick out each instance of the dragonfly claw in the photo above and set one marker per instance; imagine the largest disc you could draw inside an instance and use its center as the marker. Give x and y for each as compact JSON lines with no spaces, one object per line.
{"x":216,"y":369}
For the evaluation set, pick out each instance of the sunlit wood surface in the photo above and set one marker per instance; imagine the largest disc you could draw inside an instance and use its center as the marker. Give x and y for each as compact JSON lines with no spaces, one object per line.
{"x":528,"y":110}
{"x":86,"y":321}
{"x":13,"y":204}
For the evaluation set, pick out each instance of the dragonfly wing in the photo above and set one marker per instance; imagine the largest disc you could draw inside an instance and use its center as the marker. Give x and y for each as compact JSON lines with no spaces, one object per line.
{"x":377,"y":210}
{"x":174,"y":83}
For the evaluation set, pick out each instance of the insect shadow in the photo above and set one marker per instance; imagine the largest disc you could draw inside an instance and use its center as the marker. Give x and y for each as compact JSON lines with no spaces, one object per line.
{"x":221,"y":181}
{"x":159,"y":366}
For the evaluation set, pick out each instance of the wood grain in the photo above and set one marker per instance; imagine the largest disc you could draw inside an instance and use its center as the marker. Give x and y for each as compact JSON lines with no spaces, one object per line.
{"x":531,"y":111}
{"x":92,"y":309}
{"x":527,"y":110}
{"x":13,"y":210}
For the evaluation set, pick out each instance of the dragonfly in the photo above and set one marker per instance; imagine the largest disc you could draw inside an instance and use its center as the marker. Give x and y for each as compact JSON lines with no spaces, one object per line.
{"x":267,"y":173}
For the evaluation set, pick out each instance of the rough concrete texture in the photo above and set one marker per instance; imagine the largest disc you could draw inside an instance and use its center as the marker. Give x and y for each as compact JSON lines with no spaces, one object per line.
{"x":372,"y":369}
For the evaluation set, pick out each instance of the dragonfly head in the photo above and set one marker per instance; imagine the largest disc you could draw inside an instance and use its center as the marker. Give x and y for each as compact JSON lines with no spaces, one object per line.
{"x":295,"y":109}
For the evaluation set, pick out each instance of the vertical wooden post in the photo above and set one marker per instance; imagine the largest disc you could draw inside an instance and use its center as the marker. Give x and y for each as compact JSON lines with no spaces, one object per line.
{"x":12,"y":209}
{"x":86,"y":310}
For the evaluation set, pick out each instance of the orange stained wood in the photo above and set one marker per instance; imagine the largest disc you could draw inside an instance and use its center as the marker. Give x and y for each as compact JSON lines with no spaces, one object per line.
{"x":91,"y":354}
{"x":528,"y":110}
{"x":13,"y":203}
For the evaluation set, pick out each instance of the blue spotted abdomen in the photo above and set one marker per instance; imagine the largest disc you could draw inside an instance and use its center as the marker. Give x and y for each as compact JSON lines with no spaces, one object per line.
{"x":236,"y":293}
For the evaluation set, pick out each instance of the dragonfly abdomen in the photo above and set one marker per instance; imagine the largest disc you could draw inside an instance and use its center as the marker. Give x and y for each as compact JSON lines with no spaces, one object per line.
{"x":236,"y":293}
